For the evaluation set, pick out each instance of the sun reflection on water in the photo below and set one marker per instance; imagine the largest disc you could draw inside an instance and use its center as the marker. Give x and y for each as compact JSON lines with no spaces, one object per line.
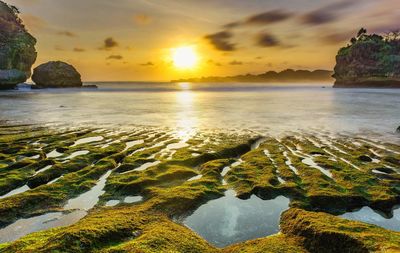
{"x":187,"y":120}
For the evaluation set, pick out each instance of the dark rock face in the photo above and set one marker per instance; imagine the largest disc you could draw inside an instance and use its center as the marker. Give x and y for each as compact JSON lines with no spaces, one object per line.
{"x":370,"y":61}
{"x":56,"y":74}
{"x":17,"y":48}
{"x":398,"y":130}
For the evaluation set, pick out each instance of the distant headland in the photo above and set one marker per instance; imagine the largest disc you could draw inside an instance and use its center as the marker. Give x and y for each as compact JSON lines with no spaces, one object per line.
{"x":369,"y":61}
{"x":288,"y":75}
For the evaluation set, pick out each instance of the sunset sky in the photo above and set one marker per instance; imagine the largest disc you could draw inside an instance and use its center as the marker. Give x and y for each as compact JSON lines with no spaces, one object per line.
{"x":123,"y":40}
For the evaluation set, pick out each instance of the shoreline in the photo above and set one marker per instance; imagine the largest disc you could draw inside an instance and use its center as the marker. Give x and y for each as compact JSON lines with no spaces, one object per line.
{"x":310,"y":170}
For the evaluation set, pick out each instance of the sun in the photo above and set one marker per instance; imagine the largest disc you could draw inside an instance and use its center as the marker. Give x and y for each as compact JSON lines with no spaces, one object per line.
{"x":184,"y":57}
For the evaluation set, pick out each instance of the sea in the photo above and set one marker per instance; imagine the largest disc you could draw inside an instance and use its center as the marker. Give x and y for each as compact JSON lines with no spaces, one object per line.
{"x":264,"y":108}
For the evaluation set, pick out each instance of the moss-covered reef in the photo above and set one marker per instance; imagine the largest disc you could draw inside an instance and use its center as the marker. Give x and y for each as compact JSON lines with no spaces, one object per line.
{"x":17,"y":48}
{"x":176,"y":175}
{"x":321,"y":232}
{"x":319,"y":173}
{"x":369,"y":61}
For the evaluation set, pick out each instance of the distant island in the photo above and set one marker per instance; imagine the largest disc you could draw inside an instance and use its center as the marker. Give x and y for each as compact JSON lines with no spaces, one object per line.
{"x":369,"y":61}
{"x":288,"y":75}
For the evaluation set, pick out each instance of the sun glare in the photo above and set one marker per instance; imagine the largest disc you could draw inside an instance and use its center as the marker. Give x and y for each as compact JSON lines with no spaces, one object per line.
{"x":184,"y":57}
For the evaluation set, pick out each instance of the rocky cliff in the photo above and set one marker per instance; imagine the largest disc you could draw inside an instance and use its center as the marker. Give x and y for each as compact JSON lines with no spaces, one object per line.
{"x":369,"y":61}
{"x":17,"y":48}
{"x":56,"y":74}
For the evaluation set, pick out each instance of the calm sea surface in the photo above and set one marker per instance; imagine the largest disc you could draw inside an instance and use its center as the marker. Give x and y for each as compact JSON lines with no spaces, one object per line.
{"x":258,"y":107}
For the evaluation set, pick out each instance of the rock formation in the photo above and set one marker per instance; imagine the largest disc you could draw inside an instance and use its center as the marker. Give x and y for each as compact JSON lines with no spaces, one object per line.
{"x":56,"y":74}
{"x":17,"y":48}
{"x":369,"y":61}
{"x":321,"y":232}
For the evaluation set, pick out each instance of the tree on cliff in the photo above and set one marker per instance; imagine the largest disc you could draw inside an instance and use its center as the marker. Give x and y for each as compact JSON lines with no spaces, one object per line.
{"x":362,"y":32}
{"x":393,"y":36}
{"x":371,"y":60}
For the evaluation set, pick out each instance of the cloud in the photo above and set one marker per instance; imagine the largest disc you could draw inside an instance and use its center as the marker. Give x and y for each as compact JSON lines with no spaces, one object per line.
{"x":212,"y":62}
{"x":67,"y":33}
{"x":109,"y":43}
{"x":268,"y":17}
{"x":221,"y":41}
{"x":264,"y":18}
{"x":326,"y":14}
{"x":232,"y":25}
{"x":385,"y":28}
{"x":142,"y":19}
{"x":267,"y":40}
{"x":336,"y":38}
{"x":79,"y":50}
{"x":115,"y":57}
{"x":235,"y":62}
{"x":147,"y":64}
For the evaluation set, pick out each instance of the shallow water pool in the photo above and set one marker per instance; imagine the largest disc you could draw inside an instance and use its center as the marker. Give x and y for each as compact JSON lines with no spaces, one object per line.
{"x":229,"y":220}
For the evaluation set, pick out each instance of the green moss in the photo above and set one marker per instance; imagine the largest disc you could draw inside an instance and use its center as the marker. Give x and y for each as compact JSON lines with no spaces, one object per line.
{"x":168,"y":195}
{"x":333,"y":234}
{"x":272,"y":244}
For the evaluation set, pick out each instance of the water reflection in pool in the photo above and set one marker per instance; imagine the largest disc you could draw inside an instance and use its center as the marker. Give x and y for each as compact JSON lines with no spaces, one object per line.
{"x":38,"y":223}
{"x":368,"y":215}
{"x":229,"y":220}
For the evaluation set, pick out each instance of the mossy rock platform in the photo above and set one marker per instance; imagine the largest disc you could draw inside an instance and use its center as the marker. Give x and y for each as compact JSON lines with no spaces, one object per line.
{"x":43,"y":168}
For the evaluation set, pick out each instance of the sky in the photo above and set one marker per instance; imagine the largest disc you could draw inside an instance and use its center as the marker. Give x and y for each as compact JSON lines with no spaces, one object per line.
{"x":132,"y":40}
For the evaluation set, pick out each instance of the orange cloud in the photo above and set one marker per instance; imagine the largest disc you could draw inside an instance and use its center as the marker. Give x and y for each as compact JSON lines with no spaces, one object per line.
{"x":142,"y":19}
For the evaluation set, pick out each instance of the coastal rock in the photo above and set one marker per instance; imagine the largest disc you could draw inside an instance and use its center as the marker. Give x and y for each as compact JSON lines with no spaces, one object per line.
{"x":90,"y":86}
{"x":398,"y":130}
{"x":17,"y":48}
{"x":369,"y":61}
{"x":9,"y":78}
{"x":321,"y":232}
{"x":56,"y":74}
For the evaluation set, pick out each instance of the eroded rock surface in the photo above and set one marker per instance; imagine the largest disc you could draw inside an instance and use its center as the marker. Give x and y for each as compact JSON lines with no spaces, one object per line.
{"x":156,"y":166}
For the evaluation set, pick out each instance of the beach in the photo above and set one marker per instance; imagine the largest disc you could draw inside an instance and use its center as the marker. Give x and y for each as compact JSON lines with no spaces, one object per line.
{"x":205,"y":167}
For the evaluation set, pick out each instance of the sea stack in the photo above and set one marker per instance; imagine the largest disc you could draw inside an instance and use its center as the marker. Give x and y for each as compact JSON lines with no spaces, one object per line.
{"x":56,"y":74}
{"x":369,"y":61}
{"x":17,"y":48}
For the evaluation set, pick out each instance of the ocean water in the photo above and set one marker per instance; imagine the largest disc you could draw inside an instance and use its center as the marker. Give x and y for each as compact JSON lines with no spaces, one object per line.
{"x":264,"y":108}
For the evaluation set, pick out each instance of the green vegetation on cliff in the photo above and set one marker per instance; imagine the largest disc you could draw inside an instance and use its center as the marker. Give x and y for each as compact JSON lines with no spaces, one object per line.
{"x":17,"y":48}
{"x":370,"y":60}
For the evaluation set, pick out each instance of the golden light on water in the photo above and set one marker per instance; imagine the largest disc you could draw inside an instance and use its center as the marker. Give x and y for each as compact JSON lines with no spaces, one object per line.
{"x":184,"y":57}
{"x":187,"y":119}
